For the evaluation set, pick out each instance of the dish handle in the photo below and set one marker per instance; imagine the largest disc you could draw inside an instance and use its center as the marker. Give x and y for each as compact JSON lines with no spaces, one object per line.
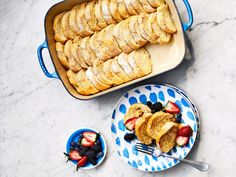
{"x":41,"y":62}
{"x":187,"y":25}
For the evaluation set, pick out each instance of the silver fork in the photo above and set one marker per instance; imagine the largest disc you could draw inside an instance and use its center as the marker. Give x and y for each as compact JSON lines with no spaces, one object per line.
{"x":202,"y":166}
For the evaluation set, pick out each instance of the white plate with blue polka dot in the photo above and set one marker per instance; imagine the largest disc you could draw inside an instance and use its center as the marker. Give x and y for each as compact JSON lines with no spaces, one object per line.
{"x":154,"y":93}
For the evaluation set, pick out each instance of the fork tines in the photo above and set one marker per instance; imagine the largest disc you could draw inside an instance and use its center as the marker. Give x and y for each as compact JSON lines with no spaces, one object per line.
{"x":144,"y":148}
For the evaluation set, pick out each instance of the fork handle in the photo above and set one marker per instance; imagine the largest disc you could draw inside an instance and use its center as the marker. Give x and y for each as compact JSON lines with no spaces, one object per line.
{"x":202,"y":166}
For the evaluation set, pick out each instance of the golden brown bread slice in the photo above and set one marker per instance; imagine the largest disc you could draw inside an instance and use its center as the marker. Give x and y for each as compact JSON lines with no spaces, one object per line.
{"x":156,"y":3}
{"x":76,"y":84}
{"x":141,"y":129}
{"x":86,"y":84}
{"x":156,"y":122}
{"x":124,"y":63}
{"x":135,"y":31}
{"x":143,"y":61}
{"x":136,"y":69}
{"x":110,"y":74}
{"x":61,"y":55}
{"x":98,"y":14}
{"x":113,"y":7}
{"x":92,"y":78}
{"x":109,"y":43}
{"x":147,"y":7}
{"x":122,"y":9}
{"x":66,"y":27}
{"x":127,"y":36}
{"x":117,"y":69}
{"x":165,"y":20}
{"x":163,"y":36}
{"x":84,"y":50}
{"x":73,"y":21}
{"x":73,"y":64}
{"x":58,"y":34}
{"x":144,"y":32}
{"x":90,"y":16}
{"x":167,"y":136}
{"x":81,"y":22}
{"x":106,"y":12}
{"x":119,"y":38}
{"x":130,"y":8}
{"x":136,"y":110}
{"x":138,"y":6}
{"x":99,"y":74}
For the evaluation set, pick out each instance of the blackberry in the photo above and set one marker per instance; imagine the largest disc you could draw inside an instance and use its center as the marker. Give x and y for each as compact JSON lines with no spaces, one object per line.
{"x":129,"y":136}
{"x":96,"y":148}
{"x":73,"y":144}
{"x":82,"y":150}
{"x":93,"y":161}
{"x":98,"y":142}
{"x":90,"y":154}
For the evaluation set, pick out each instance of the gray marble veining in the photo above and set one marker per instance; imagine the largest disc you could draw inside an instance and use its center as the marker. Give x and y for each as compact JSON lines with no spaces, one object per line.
{"x":37,"y":115}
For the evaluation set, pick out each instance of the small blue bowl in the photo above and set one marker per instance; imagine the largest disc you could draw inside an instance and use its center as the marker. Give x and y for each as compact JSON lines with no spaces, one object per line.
{"x":74,"y":138}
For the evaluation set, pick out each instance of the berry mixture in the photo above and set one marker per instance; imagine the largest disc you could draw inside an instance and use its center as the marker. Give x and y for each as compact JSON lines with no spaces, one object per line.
{"x":87,"y":149}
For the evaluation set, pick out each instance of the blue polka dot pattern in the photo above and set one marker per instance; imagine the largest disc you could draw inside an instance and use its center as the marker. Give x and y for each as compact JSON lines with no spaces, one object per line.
{"x":132,"y":100}
{"x":153,"y":93}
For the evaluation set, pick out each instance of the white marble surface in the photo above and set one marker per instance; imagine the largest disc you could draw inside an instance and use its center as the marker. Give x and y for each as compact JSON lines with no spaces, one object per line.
{"x":37,"y":115}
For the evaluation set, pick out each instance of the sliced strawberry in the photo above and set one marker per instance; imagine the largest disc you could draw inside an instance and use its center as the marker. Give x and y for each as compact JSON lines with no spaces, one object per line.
{"x":90,"y":136}
{"x":130,"y":123}
{"x":181,"y":141}
{"x":81,"y":162}
{"x":74,"y":155}
{"x":185,"y":131}
{"x":172,"y":108}
{"x":84,"y":142}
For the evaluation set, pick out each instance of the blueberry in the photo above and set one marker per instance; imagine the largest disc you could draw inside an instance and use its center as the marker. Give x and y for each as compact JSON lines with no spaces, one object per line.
{"x":149,"y":104}
{"x":179,"y":117}
{"x":157,"y":106}
{"x":129,"y":136}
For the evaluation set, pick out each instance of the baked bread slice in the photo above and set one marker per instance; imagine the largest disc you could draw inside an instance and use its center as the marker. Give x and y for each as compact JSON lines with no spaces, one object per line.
{"x":138,"y":6}
{"x":73,"y":21}
{"x":135,"y":31}
{"x":85,"y":53}
{"x":130,"y":8}
{"x":163,"y":36}
{"x":122,"y":9}
{"x":91,"y":77}
{"x":117,"y":69}
{"x":81,"y":22}
{"x":143,"y":60}
{"x":146,"y":6}
{"x":76,"y":84}
{"x":66,"y":27}
{"x":156,"y":122}
{"x":141,"y":129}
{"x":156,"y":3}
{"x":136,"y":110}
{"x":106,"y":12}
{"x":109,"y":43}
{"x":98,"y":14}
{"x":167,"y":136}
{"x":86,"y":84}
{"x":113,"y":7}
{"x":61,"y":55}
{"x":90,"y":16}
{"x":110,"y":74}
{"x":131,"y":60}
{"x":127,"y":36}
{"x":73,"y":64}
{"x":165,"y":20}
{"x":58,"y":34}
{"x":119,"y":38}
{"x":124,"y":63}
{"x":142,"y":19}
{"x":99,"y":74}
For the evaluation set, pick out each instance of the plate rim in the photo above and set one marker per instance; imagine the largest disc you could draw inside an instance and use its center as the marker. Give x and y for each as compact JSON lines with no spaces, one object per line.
{"x":193,"y":107}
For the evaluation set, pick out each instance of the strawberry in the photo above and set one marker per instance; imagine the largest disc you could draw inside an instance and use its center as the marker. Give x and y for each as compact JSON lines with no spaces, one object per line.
{"x":81,"y":162}
{"x":90,"y":136}
{"x":130,"y":123}
{"x":84,"y":142}
{"x":181,"y":141}
{"x":172,"y":108}
{"x":185,"y":131}
{"x":73,"y":155}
